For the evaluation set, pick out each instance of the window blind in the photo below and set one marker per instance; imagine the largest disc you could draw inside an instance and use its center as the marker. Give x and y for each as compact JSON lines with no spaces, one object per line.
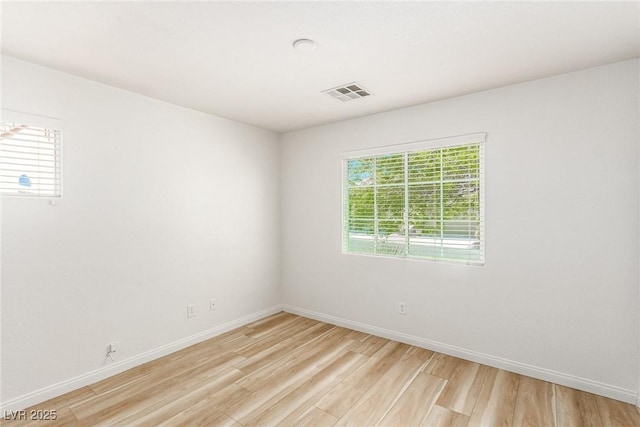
{"x":30,"y":159}
{"x":425,"y":202}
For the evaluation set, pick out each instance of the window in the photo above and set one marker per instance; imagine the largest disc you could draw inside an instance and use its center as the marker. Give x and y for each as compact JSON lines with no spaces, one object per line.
{"x":30,"y":158}
{"x":419,"y":200}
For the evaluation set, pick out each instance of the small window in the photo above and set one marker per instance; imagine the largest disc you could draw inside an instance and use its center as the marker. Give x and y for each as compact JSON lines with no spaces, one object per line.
{"x":30,"y":157}
{"x":419,"y":200}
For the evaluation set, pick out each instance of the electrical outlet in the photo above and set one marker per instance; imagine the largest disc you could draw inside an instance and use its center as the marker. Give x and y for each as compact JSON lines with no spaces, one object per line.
{"x":191,"y":310}
{"x":111,"y":350}
{"x":402,"y":308}
{"x":213,"y":304}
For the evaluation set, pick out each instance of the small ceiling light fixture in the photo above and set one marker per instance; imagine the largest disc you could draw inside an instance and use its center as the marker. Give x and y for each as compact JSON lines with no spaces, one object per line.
{"x":304,"y":45}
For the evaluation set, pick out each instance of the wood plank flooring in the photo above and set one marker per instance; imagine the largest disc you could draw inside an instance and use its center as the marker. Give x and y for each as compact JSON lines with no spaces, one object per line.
{"x":290,"y":370}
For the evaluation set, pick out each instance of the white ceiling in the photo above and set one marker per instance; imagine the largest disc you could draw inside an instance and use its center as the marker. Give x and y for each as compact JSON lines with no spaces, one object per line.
{"x":235,"y":60}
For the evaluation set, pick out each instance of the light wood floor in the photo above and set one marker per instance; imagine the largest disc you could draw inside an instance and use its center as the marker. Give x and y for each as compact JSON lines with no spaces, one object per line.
{"x":289,"y":370}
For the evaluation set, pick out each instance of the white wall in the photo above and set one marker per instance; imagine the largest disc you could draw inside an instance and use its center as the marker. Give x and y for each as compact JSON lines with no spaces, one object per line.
{"x":162,"y":207}
{"x":558,"y":296}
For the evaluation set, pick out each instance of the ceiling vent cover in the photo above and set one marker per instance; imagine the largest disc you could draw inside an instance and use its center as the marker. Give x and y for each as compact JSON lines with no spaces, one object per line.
{"x":347,"y":92}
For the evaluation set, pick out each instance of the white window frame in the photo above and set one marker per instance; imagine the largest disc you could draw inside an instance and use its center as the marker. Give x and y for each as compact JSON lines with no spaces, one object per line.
{"x":43,"y":122}
{"x":468,"y":139}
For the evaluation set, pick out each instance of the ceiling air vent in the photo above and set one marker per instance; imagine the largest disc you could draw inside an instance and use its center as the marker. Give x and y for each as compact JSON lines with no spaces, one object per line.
{"x":347,"y":92}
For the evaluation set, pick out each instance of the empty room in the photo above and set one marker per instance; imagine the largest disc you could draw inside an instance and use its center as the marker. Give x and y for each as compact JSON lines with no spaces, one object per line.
{"x":320,"y":213}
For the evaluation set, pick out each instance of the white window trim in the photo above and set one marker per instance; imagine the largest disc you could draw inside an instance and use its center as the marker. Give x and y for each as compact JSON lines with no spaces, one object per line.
{"x":417,"y":146}
{"x":31,"y":119}
{"x":45,"y":122}
{"x":408,"y":147}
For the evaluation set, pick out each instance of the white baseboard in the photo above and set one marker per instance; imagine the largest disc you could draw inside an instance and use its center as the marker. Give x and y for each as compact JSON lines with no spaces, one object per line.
{"x":66,"y":386}
{"x":49,"y":392}
{"x":584,"y":384}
